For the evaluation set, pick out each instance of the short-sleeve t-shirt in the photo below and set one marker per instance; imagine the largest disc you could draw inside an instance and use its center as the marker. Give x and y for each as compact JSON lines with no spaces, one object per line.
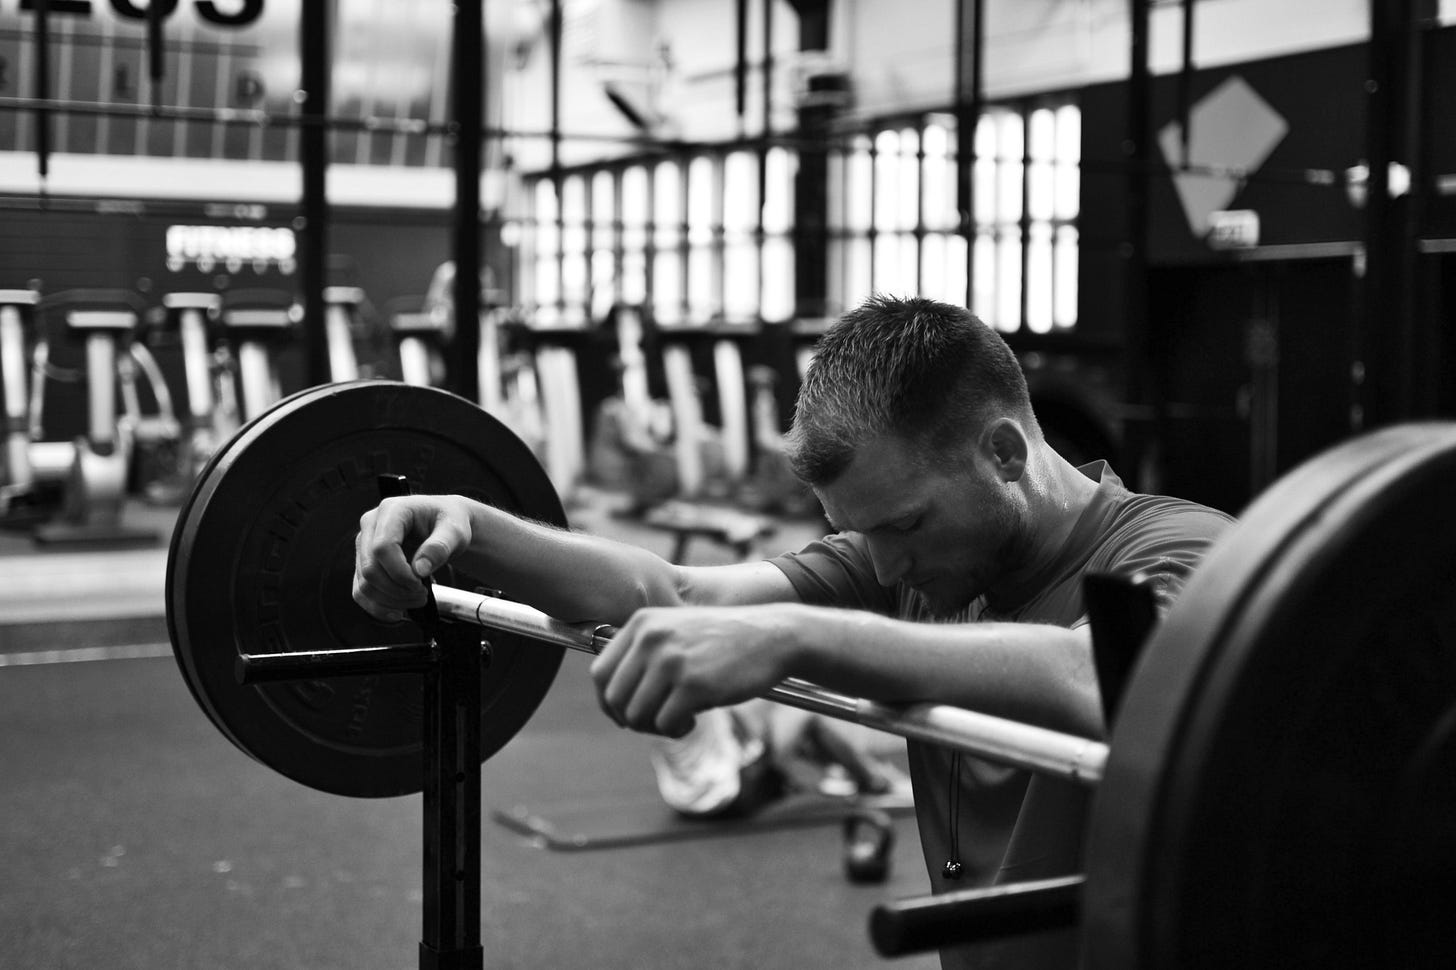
{"x":1010,"y":825}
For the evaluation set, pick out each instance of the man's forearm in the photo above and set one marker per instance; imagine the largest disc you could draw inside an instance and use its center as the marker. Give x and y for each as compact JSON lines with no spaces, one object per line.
{"x":1027,"y":672}
{"x":569,"y":575}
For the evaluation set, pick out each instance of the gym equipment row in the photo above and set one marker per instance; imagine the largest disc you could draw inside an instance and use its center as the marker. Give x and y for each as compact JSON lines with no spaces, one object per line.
{"x":691,"y":413}
{"x":106,"y":352}
{"x":682,"y":418}
{"x":71,"y":492}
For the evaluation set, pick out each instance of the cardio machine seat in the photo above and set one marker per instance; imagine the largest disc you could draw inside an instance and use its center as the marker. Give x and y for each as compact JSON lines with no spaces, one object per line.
{"x":83,"y":312}
{"x":344,"y":295}
{"x":357,"y":313}
{"x":175,"y":303}
{"x":19,"y":298}
{"x":118,"y":322}
{"x":191,"y":301}
{"x":259,"y":315}
{"x":162,"y":325}
{"x":420,"y":324}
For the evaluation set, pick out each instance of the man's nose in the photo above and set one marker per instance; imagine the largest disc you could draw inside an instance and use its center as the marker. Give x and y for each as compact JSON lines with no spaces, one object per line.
{"x":891,"y":560}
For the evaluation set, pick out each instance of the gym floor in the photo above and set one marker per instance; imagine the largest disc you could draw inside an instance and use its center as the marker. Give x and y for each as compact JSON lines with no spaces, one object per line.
{"x":135,"y":835}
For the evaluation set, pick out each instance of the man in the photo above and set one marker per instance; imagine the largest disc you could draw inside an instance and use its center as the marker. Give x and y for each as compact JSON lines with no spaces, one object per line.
{"x":955,"y":577}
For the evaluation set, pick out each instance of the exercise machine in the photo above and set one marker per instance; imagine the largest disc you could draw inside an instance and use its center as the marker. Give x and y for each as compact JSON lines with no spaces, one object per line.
{"x":194,"y":319}
{"x":254,"y":327}
{"x":104,"y":323}
{"x":342,"y":307}
{"x":24,"y":499}
{"x":420,"y":338}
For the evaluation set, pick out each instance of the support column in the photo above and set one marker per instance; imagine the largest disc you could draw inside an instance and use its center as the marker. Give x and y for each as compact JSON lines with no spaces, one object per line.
{"x":314,"y":159}
{"x":462,"y":373}
{"x":1397,"y":349}
{"x":811,"y":193}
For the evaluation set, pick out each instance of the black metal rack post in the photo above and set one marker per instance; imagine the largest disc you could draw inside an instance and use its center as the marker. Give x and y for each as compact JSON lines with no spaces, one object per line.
{"x":314,"y":159}
{"x":452,"y":804}
{"x":468,"y":81}
{"x":452,"y":664}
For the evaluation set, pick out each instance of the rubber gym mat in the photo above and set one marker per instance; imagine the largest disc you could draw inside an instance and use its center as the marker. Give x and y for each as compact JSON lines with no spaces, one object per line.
{"x":643,"y":819}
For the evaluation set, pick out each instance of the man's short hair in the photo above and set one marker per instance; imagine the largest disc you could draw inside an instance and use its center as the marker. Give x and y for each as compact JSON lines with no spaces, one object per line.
{"x":927,"y":371}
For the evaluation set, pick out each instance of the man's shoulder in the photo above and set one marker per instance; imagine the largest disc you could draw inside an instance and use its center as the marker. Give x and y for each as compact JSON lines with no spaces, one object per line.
{"x":1161,"y":538}
{"x":1158,"y":525}
{"x":1123,"y":509}
{"x":1141,"y":508}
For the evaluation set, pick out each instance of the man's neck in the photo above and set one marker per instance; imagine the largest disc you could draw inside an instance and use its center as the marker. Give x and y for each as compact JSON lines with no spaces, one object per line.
{"x":1057,"y":500}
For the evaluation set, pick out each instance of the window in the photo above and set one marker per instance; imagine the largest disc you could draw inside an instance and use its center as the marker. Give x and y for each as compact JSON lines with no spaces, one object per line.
{"x":777,"y":302}
{"x":850,"y":219}
{"x":634,"y":235}
{"x":741,"y":208}
{"x":605,"y":281}
{"x":942,"y":248}
{"x":668,"y":239}
{"x":543,"y":248}
{"x":895,"y":220}
{"x":575,"y":279}
{"x":686,"y":237}
{"x":708,"y":236}
{"x":1052,"y":200}
{"x":705,"y":274}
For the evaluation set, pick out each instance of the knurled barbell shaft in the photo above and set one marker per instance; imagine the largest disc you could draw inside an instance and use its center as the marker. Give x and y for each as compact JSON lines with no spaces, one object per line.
{"x":984,"y":735}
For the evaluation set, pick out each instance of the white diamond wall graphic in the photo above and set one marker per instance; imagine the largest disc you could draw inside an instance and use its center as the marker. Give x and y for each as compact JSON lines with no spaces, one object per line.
{"x":1230,"y":127}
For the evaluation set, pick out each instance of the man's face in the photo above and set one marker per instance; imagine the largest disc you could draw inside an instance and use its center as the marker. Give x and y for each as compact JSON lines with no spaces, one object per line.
{"x":949,"y":529}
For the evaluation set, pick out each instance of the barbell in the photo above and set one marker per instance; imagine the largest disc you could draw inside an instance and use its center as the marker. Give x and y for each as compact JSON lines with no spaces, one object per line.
{"x":1283,"y":762}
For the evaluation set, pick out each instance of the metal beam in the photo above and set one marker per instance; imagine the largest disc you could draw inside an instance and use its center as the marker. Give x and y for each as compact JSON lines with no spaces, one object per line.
{"x":314,"y":160}
{"x":462,"y":368}
{"x":1394,"y":346}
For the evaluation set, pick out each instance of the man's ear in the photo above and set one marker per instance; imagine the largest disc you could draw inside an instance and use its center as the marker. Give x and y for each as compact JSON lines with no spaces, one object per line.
{"x":1006,"y":444}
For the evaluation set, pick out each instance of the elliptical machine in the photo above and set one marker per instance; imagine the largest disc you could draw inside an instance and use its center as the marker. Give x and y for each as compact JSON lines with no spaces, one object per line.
{"x":420,"y":340}
{"x":103,"y":323}
{"x":25,"y":499}
{"x":253,"y":328}
{"x":189,"y":322}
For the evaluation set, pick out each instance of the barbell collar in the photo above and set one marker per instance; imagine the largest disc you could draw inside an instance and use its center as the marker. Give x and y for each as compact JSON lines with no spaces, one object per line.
{"x":983,"y":735}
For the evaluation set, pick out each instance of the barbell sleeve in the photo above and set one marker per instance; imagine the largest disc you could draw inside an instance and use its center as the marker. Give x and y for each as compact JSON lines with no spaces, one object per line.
{"x":983,"y":735}
{"x":975,"y":915}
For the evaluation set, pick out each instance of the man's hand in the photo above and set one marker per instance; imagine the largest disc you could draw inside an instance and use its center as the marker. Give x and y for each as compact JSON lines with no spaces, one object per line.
{"x":666,"y":664}
{"x":401,"y":541}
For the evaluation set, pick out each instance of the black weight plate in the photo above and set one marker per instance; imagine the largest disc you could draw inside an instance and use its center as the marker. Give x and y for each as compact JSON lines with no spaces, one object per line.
{"x":1279,"y":788}
{"x":262,"y":562}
